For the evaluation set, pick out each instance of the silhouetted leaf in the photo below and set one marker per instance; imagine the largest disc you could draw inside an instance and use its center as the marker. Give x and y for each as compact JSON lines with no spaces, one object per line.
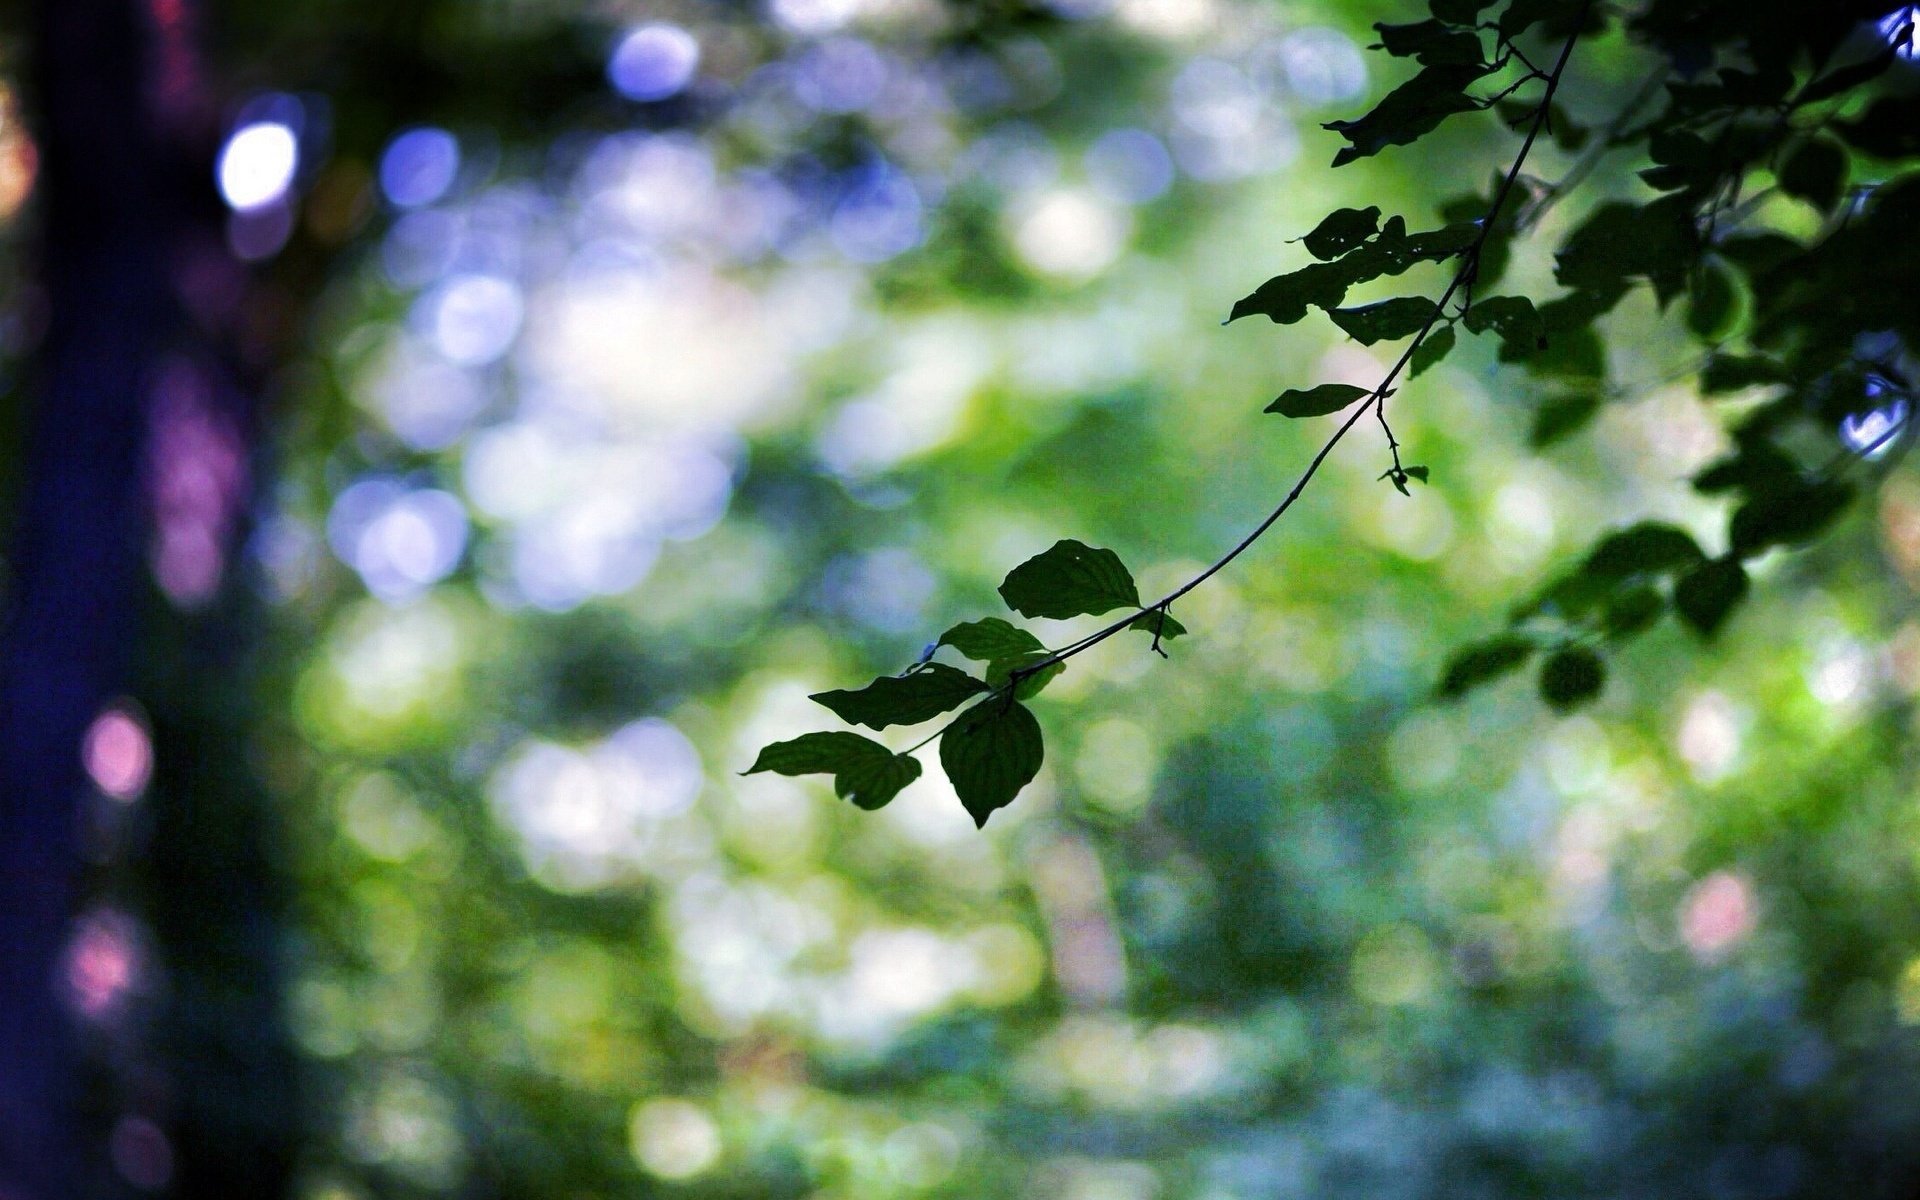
{"x":1786,"y":517}
{"x":1711,"y":303}
{"x":1431,"y":43}
{"x":1481,"y":662}
{"x":1511,"y":317}
{"x":1317,"y":402}
{"x":1843,"y":79}
{"x":1071,"y":579}
{"x":999,"y":671}
{"x":1432,"y":348}
{"x":1755,"y":467}
{"x":1816,"y":172}
{"x":863,"y":770}
{"x":1561,"y":415}
{"x":1621,"y":241}
{"x":1458,"y":12}
{"x":990,"y":753}
{"x":1571,"y":676}
{"x":1388,"y":320}
{"x":1632,"y":610}
{"x":903,"y":699}
{"x":1732,"y":372}
{"x":1648,"y":548}
{"x":1341,"y":231}
{"x":1706,"y":595}
{"x":990,"y":639}
{"x":1413,"y":109}
{"x":1160,"y":623}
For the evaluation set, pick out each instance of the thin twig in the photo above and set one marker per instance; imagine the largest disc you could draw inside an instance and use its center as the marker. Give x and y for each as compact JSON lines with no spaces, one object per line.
{"x":1375,"y":402}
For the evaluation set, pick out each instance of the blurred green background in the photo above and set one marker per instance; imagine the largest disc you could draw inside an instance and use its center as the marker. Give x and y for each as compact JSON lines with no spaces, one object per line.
{"x":618,"y":424}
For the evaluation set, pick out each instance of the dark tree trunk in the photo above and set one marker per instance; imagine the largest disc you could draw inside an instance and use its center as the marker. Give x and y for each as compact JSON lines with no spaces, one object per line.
{"x":143,"y":305}
{"x":76,"y":554}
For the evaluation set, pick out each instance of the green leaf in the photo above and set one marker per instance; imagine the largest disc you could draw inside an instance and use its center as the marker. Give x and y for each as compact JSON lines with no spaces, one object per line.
{"x":1561,"y":415}
{"x":1459,"y":12}
{"x":1408,"y":112}
{"x":1852,"y":75}
{"x":863,"y":770}
{"x":903,"y":699}
{"x":1512,"y":317}
{"x":1816,"y":172}
{"x":1341,"y":231}
{"x":1786,"y":516}
{"x":999,"y":671}
{"x":1756,"y":466}
{"x":1387,"y":320}
{"x":1621,"y":241}
{"x":990,"y":639}
{"x":990,"y":753}
{"x":1710,"y":306}
{"x":1733,"y":372}
{"x":1571,"y":676}
{"x":1485,"y":661}
{"x":1648,"y":548}
{"x":1632,"y":610}
{"x":1706,"y":595}
{"x":1432,"y":348}
{"x":1317,"y":402}
{"x":1431,"y":43}
{"x":1070,"y":580}
{"x":1160,"y":623}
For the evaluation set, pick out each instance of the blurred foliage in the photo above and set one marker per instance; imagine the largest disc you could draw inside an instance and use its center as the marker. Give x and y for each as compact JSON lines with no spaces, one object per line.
{"x":699,"y":381}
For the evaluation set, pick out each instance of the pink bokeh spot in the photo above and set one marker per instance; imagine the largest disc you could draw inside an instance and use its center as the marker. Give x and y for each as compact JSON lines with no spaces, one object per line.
{"x":118,"y":754}
{"x":198,"y":481}
{"x":103,"y":963}
{"x":142,"y":1154}
{"x":1717,"y":914}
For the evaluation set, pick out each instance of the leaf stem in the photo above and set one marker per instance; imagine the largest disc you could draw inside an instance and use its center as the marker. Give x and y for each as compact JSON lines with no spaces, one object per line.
{"x":1376,"y":400}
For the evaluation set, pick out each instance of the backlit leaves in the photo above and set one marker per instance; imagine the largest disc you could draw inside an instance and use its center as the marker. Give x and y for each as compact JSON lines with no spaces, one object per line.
{"x":1484,"y":662}
{"x":909,"y":699}
{"x":1317,"y":402}
{"x":863,"y":770}
{"x":1070,"y":580}
{"x":1388,"y":320}
{"x":992,"y":752}
{"x":990,"y":639}
{"x":1571,"y":676}
{"x":1415,"y":108}
{"x":1341,"y":231}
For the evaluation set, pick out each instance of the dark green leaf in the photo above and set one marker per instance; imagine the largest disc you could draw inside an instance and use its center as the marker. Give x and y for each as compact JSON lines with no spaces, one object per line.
{"x":1341,"y":231}
{"x":1710,"y":305}
{"x":1755,"y":467}
{"x":1571,"y":676}
{"x":1622,"y":241}
{"x":990,"y":639}
{"x":1387,"y":320}
{"x":1512,"y":317}
{"x":903,"y":699}
{"x":1459,"y":12}
{"x":1561,"y":415}
{"x":990,"y":753}
{"x":1816,"y":172}
{"x":1317,"y":402}
{"x":1432,"y":348}
{"x":1706,"y":595}
{"x":1070,"y":580}
{"x":1160,"y":623}
{"x":1650,"y":547}
{"x":1484,"y":661}
{"x":1852,"y":75}
{"x":1413,"y":109}
{"x":1030,"y":685}
{"x":1786,"y":516}
{"x":1732,"y":372}
{"x":1431,"y":43}
{"x":863,"y":770}
{"x":1632,"y":610}
{"x":1419,"y":473}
